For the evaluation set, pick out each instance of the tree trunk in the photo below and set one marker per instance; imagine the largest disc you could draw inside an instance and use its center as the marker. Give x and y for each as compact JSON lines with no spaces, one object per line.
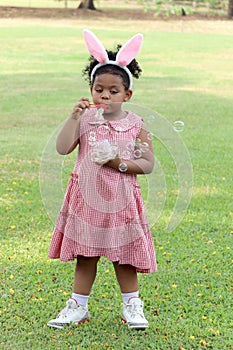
{"x":87,"y":4}
{"x":230,"y":9}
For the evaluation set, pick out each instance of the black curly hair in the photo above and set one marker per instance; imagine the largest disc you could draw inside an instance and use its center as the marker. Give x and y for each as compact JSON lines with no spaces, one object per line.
{"x":133,"y":67}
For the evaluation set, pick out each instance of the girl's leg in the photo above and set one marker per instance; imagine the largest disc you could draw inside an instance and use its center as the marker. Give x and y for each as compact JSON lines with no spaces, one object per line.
{"x":76,"y":307}
{"x":132,"y":305}
{"x":84,"y":275}
{"x":126,"y":277}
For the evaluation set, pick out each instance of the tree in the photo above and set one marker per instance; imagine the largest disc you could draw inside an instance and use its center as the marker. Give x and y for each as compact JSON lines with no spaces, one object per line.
{"x":87,"y":4}
{"x":230,"y":9}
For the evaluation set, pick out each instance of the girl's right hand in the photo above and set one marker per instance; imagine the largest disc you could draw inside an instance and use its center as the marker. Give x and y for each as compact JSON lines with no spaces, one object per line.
{"x":80,"y":107}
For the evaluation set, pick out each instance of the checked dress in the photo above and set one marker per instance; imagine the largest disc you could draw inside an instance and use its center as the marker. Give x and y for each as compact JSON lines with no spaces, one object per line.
{"x":103,"y":212}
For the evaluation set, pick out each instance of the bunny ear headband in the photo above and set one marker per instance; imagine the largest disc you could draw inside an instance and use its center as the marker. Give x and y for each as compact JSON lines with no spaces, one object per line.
{"x":125,"y":55}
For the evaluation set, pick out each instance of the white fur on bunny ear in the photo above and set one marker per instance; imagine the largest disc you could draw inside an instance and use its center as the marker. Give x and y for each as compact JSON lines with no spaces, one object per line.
{"x":129,"y":50}
{"x":95,"y":47}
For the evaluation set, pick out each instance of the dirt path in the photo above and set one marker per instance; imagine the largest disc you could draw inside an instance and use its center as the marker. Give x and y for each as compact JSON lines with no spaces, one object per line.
{"x":124,"y":14}
{"x":114,"y":19}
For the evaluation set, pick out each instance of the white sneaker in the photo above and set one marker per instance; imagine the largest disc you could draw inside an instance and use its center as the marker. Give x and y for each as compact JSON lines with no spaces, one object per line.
{"x":72,"y":313}
{"x":133,"y":314}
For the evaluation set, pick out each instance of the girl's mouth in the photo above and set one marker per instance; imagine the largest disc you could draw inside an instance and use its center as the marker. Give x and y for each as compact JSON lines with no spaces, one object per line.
{"x":101,"y":105}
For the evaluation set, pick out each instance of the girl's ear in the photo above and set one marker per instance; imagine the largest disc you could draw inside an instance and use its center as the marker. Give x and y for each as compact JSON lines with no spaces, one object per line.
{"x":128,"y":95}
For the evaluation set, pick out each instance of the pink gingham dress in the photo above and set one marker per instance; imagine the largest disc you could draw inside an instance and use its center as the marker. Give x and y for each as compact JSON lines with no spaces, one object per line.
{"x":103,"y":212}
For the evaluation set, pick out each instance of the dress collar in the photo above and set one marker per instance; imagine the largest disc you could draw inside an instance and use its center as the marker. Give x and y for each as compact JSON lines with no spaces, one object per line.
{"x":121,"y":125}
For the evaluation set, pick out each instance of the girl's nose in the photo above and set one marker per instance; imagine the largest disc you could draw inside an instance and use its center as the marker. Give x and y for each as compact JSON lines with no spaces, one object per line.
{"x":105,"y":95}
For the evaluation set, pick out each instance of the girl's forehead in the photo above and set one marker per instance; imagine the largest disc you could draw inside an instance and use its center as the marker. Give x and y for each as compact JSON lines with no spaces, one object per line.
{"x":108,"y":79}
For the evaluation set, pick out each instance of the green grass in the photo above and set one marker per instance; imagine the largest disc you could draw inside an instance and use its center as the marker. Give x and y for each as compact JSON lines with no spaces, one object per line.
{"x":186,"y":76}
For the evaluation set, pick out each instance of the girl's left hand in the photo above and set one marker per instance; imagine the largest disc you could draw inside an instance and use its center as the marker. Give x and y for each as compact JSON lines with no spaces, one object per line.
{"x":104,"y":152}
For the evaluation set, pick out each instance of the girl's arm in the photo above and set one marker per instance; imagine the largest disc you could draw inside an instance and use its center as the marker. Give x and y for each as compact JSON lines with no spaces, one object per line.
{"x":67,"y":139}
{"x":143,"y":165}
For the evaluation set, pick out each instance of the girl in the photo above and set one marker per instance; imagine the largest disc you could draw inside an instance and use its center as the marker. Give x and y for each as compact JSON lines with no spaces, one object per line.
{"x":103,"y":212}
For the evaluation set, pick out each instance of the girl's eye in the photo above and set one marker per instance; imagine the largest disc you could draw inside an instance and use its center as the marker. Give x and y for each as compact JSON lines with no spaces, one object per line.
{"x":98,"y":90}
{"x":113,"y":92}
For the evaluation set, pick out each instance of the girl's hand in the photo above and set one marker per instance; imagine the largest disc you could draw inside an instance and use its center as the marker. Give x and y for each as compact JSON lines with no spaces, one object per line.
{"x":142,"y":165}
{"x":104,"y":152}
{"x":80,"y":107}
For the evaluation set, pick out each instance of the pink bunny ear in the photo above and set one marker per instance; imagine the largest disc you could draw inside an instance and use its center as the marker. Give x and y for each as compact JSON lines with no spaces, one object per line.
{"x":129,"y":50}
{"x":95,"y":47}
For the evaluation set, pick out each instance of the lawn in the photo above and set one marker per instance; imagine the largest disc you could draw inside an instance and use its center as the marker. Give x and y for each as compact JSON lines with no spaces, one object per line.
{"x":187,"y":76}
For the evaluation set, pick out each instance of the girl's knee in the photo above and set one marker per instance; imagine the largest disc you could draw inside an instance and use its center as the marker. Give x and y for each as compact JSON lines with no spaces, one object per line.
{"x":87,"y":260}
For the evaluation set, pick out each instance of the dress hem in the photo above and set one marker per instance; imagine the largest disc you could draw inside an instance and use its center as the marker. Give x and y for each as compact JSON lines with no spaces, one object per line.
{"x":128,"y":255}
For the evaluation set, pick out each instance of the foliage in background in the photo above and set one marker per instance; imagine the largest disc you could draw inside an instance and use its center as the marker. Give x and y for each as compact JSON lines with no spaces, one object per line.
{"x":173,"y":7}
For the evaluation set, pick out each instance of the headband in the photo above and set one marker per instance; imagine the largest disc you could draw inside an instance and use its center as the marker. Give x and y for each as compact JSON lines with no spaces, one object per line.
{"x":125,"y":55}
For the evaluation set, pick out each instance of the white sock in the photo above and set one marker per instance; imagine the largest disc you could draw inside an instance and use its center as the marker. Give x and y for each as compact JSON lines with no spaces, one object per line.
{"x":80,"y":299}
{"x":127,"y":296}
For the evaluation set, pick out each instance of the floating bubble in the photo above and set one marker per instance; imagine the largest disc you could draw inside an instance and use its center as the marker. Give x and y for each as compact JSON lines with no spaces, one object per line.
{"x":149,"y":136}
{"x":178,"y":126}
{"x":123,"y":167}
{"x":126,"y":155}
{"x":130,"y":146}
{"x":99,"y":115}
{"x":114,"y":150}
{"x":144,"y":147}
{"x":92,"y":138}
{"x":100,"y":112}
{"x":137,"y":153}
{"x":92,"y":142}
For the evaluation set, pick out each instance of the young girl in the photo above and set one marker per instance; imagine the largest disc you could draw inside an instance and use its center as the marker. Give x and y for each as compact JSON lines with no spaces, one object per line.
{"x":103,"y":212}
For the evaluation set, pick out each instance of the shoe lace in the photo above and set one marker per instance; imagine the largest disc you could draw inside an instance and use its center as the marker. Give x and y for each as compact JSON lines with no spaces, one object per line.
{"x":68,"y":309}
{"x":136,"y":310}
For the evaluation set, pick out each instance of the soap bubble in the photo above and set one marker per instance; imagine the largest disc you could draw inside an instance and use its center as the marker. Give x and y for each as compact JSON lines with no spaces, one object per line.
{"x":130,"y":146}
{"x":137,"y":153}
{"x":149,"y":136}
{"x":144,"y":147}
{"x":126,"y":155}
{"x":178,"y":126}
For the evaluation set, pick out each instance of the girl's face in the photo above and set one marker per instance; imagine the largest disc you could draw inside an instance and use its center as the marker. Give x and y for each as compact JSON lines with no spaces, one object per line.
{"x":109,"y":89}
